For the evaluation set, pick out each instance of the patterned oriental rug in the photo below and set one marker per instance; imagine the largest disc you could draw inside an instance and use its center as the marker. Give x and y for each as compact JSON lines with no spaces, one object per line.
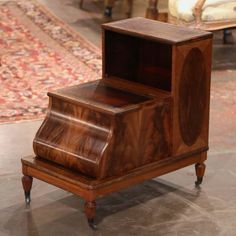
{"x":38,"y":53}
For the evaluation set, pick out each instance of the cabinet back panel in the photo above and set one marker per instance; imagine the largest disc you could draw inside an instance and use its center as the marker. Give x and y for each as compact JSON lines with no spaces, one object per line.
{"x":138,"y":60}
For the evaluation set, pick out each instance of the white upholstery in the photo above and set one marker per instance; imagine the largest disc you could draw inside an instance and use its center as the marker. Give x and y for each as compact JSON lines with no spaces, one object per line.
{"x":182,"y":9}
{"x":226,"y":11}
{"x":213,"y":10}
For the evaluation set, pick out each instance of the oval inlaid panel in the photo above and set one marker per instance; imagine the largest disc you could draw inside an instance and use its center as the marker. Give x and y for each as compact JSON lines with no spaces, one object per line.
{"x":192,"y":94}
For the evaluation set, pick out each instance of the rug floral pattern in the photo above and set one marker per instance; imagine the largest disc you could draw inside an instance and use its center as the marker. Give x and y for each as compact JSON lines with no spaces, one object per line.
{"x":31,"y":66}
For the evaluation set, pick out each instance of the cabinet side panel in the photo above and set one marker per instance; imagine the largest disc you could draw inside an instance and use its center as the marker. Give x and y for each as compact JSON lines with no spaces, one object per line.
{"x":191,"y":92}
{"x":140,"y":137}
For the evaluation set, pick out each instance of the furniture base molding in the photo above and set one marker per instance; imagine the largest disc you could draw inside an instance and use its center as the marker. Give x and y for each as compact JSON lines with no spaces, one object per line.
{"x":90,"y":189}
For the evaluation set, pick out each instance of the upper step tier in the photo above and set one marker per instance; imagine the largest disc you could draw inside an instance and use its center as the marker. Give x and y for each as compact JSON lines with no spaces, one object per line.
{"x":162,"y":32}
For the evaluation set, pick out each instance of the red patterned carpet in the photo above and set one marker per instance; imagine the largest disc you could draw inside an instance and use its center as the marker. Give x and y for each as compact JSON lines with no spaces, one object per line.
{"x":38,"y":53}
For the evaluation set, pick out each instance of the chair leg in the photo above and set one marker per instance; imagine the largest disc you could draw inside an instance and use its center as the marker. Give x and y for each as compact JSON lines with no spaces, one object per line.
{"x":129,"y":7}
{"x":108,"y":12}
{"x":228,"y":37}
{"x":81,"y":3}
{"x":108,"y":8}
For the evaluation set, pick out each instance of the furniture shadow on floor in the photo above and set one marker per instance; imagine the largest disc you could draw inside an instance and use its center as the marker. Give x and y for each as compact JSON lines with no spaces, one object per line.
{"x":151,"y":201}
{"x":160,"y":197}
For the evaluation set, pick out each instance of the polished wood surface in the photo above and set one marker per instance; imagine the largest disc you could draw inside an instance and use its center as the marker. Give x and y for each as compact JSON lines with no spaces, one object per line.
{"x":27,"y":185}
{"x":147,"y":116}
{"x":197,"y":84}
{"x":200,"y":171}
{"x":110,"y":136}
{"x":157,"y":31}
{"x":90,"y":189}
{"x":102,"y":94}
{"x":90,"y":211}
{"x":192,"y":96}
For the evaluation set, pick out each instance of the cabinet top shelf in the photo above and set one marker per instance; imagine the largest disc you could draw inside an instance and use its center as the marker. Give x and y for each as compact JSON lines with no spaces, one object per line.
{"x":158,"y":31}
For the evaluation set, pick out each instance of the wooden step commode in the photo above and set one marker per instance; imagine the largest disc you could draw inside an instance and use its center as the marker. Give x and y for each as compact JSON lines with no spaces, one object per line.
{"x":147,"y":116}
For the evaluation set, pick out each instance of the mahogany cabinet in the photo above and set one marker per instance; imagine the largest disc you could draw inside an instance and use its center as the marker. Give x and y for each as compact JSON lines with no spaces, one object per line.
{"x":147,"y":116}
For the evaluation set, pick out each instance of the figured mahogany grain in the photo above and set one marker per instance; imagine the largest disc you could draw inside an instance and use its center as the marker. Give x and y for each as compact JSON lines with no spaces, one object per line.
{"x":147,"y":116}
{"x":192,"y":96}
{"x":98,"y":144}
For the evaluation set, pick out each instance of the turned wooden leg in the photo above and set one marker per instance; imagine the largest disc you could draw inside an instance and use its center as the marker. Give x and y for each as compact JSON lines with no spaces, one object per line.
{"x":27,"y":184}
{"x":152,"y":11}
{"x":90,"y":211}
{"x":108,"y":8}
{"x":200,"y":170}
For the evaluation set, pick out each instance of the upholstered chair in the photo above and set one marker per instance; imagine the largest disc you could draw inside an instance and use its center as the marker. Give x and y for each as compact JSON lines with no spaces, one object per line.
{"x":204,"y":14}
{"x":109,"y":4}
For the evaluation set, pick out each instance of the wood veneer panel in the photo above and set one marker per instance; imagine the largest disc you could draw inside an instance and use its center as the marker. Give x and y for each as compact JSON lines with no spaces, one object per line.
{"x":147,"y":116}
{"x":99,"y":144}
{"x":192,"y":96}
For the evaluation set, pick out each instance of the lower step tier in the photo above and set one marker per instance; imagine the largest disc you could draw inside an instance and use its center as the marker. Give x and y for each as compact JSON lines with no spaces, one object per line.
{"x":100,"y":140}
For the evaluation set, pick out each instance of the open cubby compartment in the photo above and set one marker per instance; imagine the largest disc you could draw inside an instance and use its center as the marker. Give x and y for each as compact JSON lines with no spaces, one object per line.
{"x":137,"y":59}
